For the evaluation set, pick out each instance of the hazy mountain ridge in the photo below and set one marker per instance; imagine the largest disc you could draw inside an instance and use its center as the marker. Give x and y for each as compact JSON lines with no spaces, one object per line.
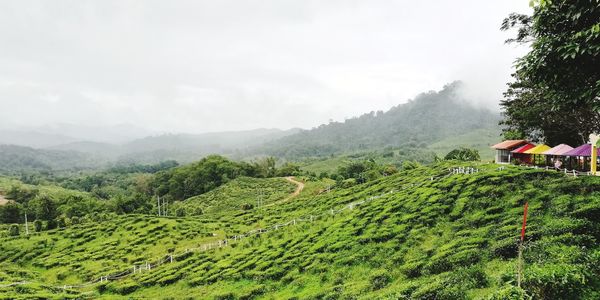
{"x":33,"y":139}
{"x":430,"y":117}
{"x":76,"y":155}
{"x":18,"y":159}
{"x":440,"y":118}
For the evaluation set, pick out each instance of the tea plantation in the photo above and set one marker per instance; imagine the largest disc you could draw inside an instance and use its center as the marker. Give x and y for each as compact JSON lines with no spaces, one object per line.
{"x":422,"y":233}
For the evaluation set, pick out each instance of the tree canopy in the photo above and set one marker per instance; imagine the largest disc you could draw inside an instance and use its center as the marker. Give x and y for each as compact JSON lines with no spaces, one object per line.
{"x":463,"y":154}
{"x":555,"y":94}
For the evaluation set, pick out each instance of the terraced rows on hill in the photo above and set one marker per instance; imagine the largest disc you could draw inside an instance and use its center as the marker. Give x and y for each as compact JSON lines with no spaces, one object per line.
{"x":453,"y":238}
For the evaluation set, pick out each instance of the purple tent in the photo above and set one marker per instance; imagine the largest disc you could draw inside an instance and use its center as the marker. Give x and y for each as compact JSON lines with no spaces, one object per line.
{"x":583,"y":150}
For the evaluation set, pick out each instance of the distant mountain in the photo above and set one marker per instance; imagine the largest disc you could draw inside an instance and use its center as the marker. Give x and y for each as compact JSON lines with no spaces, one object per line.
{"x":215,"y":142}
{"x":114,"y":134}
{"x":105,"y":150}
{"x":33,"y":139}
{"x":16,"y":159}
{"x":180,"y":147}
{"x":429,"y":118}
{"x":70,"y":136}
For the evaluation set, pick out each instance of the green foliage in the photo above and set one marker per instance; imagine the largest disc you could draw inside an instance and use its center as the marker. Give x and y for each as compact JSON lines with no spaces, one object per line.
{"x":13,"y":230}
{"x":410,"y":165}
{"x":555,"y":95}
{"x":16,"y":160}
{"x":463,"y":154}
{"x":10,"y":213}
{"x":207,"y":174}
{"x":37,"y":225}
{"x":380,"y":279}
{"x":411,"y":127}
{"x":44,"y":207}
{"x":451,"y":238}
{"x":239,"y":194}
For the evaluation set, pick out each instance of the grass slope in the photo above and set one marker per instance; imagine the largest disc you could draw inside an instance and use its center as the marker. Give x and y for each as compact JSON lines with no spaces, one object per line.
{"x":450,"y":238}
{"x":236,"y":193}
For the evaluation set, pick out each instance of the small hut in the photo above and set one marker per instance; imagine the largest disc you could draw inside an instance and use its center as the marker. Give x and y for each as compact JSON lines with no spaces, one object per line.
{"x":519,"y":153}
{"x":579,"y":157}
{"x":557,"y":153}
{"x":503,"y":155}
{"x":536,"y":154}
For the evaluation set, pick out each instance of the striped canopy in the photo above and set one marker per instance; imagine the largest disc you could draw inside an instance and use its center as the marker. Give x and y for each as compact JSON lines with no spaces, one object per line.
{"x":559,"y":150}
{"x":583,"y":150}
{"x":539,"y":149}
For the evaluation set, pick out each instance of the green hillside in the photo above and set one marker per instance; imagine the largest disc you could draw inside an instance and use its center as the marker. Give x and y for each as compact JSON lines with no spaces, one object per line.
{"x":423,"y":233}
{"x":240,"y":193}
{"x":442,"y":116}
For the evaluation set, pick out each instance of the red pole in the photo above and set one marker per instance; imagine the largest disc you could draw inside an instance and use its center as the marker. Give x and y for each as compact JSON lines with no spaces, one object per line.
{"x":524,"y":221}
{"x":520,"y":262}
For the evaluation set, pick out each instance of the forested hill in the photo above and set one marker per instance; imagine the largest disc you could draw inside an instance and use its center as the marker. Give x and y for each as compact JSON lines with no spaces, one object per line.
{"x":17,"y":159}
{"x":430,"y":117}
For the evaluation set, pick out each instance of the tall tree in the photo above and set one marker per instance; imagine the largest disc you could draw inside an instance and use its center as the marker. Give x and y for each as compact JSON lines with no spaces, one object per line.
{"x":555,"y":95}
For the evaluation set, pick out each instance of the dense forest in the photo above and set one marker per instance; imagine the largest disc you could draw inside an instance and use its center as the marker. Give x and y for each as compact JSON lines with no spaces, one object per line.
{"x":430,"y":117}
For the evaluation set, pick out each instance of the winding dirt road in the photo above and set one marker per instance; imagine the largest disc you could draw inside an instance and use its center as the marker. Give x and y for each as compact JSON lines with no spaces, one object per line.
{"x":299,"y":188}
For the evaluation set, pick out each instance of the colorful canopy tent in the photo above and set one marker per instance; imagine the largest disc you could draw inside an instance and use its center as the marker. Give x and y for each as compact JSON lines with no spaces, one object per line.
{"x":536,"y":153}
{"x":584,"y":150}
{"x":559,"y":150}
{"x":580,"y":155}
{"x":503,"y":149}
{"x":556,"y":154}
{"x":519,"y":153}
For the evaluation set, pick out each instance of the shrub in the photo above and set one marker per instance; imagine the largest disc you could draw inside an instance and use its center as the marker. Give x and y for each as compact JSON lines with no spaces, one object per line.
{"x":380,"y":279}
{"x":226,"y":296}
{"x":37,"y":225}
{"x":463,"y":154}
{"x":13,"y":230}
{"x":555,"y":281}
{"x":51,"y":224}
{"x":412,"y":270}
{"x":180,"y":212}
{"x":509,"y":293}
{"x":62,"y":222}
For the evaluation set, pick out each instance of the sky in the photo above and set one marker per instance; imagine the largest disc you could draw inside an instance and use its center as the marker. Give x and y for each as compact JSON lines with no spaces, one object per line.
{"x":205,"y":66}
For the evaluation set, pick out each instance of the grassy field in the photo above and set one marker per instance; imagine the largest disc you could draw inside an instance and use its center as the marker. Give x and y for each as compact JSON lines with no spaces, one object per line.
{"x":233,"y":195}
{"x":403,"y":236}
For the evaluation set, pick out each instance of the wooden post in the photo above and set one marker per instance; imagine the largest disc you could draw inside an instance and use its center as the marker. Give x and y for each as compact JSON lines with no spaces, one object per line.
{"x":26,"y":225}
{"x":158,"y":203}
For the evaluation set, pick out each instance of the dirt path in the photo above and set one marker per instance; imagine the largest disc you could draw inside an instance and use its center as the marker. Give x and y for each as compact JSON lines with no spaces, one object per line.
{"x":299,"y":188}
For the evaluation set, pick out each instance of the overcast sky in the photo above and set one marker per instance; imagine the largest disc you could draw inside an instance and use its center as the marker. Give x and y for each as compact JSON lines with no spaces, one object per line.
{"x":199,"y":66}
